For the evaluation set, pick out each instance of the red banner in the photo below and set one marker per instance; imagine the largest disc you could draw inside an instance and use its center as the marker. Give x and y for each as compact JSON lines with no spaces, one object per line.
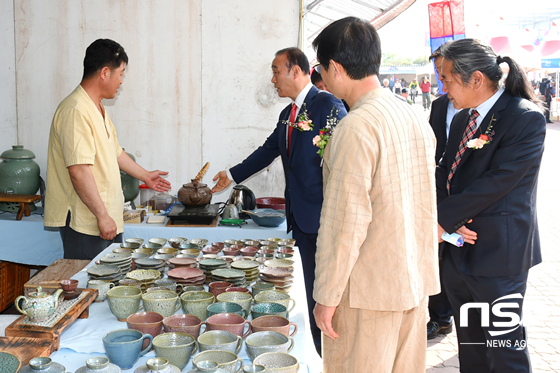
{"x":446,"y":18}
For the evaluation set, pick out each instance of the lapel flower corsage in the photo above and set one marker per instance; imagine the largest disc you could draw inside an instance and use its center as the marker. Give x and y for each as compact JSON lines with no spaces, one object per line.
{"x":303,"y":122}
{"x":485,"y":138}
{"x":325,"y":134}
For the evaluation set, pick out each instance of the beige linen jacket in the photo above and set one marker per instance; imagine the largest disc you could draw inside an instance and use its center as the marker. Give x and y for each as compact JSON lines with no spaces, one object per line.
{"x":378,"y":227}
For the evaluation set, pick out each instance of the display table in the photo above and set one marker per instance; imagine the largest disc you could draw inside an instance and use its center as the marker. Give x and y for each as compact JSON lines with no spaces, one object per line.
{"x":83,"y":339}
{"x":27,"y":241}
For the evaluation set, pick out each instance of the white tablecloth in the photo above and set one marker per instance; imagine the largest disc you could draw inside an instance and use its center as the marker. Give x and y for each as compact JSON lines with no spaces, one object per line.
{"x":83,"y":339}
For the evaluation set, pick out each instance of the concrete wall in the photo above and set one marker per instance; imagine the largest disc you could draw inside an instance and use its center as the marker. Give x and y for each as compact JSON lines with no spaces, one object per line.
{"x":197,"y":87}
{"x":8,"y":121}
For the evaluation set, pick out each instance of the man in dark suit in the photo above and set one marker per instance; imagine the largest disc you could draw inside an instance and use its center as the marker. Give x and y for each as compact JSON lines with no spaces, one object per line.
{"x":486,"y":184}
{"x":302,"y":164}
{"x":441,"y":116}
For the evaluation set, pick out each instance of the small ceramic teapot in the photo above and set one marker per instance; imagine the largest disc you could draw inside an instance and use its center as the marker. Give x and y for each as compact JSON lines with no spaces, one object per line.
{"x":194,"y":194}
{"x":38,"y":306}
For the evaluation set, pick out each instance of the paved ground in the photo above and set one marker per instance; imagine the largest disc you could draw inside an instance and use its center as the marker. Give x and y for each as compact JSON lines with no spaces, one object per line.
{"x":542,"y":300}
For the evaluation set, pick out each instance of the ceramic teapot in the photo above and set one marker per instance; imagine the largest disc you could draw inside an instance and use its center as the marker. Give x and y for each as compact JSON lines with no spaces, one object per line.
{"x":194,"y":194}
{"x":38,"y":306}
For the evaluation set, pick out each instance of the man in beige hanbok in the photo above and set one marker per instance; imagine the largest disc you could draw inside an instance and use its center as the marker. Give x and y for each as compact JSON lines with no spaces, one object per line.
{"x":376,"y":258}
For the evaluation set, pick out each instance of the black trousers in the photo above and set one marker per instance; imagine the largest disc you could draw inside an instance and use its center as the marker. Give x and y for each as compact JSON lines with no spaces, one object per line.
{"x":83,"y":246}
{"x":307,"y":244}
{"x":484,"y":349}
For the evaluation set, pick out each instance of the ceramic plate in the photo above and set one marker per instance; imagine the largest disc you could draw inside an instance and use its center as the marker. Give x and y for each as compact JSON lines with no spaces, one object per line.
{"x":278,"y":272}
{"x":144,"y":274}
{"x":9,"y":363}
{"x":111,"y":368}
{"x":182,"y":261}
{"x":184,"y":273}
{"x":245,"y":264}
{"x":103,"y":270}
{"x":147,"y":262}
{"x":228,"y":273}
{"x":220,"y":370}
{"x":282,"y":263}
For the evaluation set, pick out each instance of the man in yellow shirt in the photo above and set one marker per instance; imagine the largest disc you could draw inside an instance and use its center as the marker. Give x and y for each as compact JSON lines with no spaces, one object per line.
{"x":84,"y":196}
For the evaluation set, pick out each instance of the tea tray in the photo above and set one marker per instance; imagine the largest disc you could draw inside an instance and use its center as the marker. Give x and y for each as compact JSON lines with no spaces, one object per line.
{"x":26,"y":348}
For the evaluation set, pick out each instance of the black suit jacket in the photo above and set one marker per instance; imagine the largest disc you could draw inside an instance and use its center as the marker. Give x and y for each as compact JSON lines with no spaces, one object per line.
{"x":496,"y":186}
{"x":438,"y":121}
{"x":302,"y":169}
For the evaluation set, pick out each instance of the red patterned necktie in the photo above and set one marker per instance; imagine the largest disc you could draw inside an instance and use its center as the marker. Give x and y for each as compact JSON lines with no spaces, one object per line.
{"x":292,"y":121}
{"x":467,"y":135}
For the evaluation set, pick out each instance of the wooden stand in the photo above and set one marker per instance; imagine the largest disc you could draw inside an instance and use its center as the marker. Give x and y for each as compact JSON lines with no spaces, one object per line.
{"x":26,"y":348}
{"x":23,"y":199}
{"x":177,"y":224}
{"x":52,"y":334}
{"x":50,"y":277}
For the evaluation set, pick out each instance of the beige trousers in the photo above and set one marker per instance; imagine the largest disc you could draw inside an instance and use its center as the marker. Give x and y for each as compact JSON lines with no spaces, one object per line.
{"x":376,"y":341}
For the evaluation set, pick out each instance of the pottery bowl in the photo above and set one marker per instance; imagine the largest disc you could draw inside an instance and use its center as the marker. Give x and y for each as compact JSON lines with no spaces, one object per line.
{"x":287,"y":242}
{"x":249,"y":251}
{"x":168,"y":250}
{"x":163,"y":256}
{"x":259,"y":343}
{"x":210,"y":256}
{"x":263,"y":309}
{"x":161,"y":241}
{"x":183,"y":323}
{"x":199,"y":241}
{"x":227,"y":361}
{"x":284,"y":256}
{"x":177,"y":348}
{"x":239,"y":289}
{"x":152,"y":245}
{"x":144,"y":250}
{"x":231,"y":242}
{"x":243,"y":299}
{"x":139,"y":255}
{"x":122,"y":250}
{"x":277,"y":362}
{"x":269,"y":217}
{"x":219,"y":340}
{"x":130,"y":245}
{"x":211,"y":250}
{"x":218,"y":287}
{"x":187,"y":245}
{"x":237,"y":246}
{"x":261,"y":286}
{"x":176,"y":241}
{"x":226,"y":307}
{"x":265,"y":250}
{"x":135,"y":239}
{"x":221,"y":245}
{"x":285,"y":250}
{"x":69,"y":285}
{"x":164,"y":302}
{"x":190,"y":253}
{"x":230,"y":251}
{"x":256,"y":243}
{"x":267,"y":243}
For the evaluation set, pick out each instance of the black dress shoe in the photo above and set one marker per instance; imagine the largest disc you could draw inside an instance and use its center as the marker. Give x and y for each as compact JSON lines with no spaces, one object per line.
{"x":434,"y":329}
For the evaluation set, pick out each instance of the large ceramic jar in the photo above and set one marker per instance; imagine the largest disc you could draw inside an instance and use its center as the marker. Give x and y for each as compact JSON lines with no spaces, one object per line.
{"x":130,"y":185}
{"x":194,"y":194}
{"x":19,"y":174}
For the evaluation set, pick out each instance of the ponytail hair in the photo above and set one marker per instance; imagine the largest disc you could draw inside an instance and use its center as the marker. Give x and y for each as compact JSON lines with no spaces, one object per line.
{"x":470,"y":55}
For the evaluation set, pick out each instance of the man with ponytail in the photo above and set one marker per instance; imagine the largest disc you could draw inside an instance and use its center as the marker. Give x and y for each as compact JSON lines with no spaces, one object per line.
{"x":487,"y":185}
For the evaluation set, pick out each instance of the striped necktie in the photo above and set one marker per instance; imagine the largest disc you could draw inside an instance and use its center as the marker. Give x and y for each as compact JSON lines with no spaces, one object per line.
{"x":467,"y":135}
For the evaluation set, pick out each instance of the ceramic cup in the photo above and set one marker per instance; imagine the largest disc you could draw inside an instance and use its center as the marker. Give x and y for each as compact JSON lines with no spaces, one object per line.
{"x":177,"y":348}
{"x":260,"y":287}
{"x":229,"y":322}
{"x":170,"y":284}
{"x":261,"y":342}
{"x":276,"y":296}
{"x":239,"y":289}
{"x":124,"y":301}
{"x":102,"y":287}
{"x":164,"y":302}
{"x":156,"y":288}
{"x":220,"y":340}
{"x":132,"y":282}
{"x":274,"y":324}
{"x":226,"y":360}
{"x":146,"y":322}
{"x":206,"y":366}
{"x":226,"y":307}
{"x":253,"y":368}
{"x":218,"y":287}
{"x":196,"y":302}
{"x":193,"y":288}
{"x":245,"y":300}
{"x":189,"y":324}
{"x":277,"y":362}
{"x":124,"y":346}
{"x":264,"y":309}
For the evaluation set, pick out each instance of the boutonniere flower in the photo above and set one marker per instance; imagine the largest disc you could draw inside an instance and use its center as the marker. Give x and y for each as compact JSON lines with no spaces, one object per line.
{"x":325,"y":134}
{"x":485,"y":138}
{"x":303,"y":122}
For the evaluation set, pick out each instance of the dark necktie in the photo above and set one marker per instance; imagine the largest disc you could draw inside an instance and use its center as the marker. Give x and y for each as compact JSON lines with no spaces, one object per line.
{"x":290,"y":128}
{"x":467,"y":135}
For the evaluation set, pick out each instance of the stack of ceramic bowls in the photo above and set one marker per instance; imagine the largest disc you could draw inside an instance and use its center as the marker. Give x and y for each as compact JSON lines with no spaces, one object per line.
{"x":181,"y":263}
{"x":146,"y":276}
{"x":250,"y":267}
{"x":105,"y":272}
{"x":199,"y":241}
{"x":187,"y":276}
{"x":281,"y":277}
{"x":208,"y":265}
{"x":121,"y":260}
{"x":235,"y":276}
{"x":150,"y":263}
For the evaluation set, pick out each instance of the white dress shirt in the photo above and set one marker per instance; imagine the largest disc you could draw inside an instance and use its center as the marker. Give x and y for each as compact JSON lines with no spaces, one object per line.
{"x":485,"y":107}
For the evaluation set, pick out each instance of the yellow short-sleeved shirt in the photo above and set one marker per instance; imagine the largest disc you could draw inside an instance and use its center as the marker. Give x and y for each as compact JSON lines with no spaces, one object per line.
{"x":80,"y":135}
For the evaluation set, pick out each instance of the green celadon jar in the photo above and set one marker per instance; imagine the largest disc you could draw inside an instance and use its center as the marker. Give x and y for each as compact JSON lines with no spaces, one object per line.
{"x":19,"y":174}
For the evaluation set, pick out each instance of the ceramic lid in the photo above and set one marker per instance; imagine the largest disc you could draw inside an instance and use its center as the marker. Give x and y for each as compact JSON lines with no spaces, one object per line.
{"x":17,"y":152}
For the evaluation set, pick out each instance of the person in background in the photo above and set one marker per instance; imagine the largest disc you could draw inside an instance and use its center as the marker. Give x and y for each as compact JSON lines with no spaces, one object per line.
{"x":386,"y":83}
{"x":398,"y":87}
{"x":84,"y":195}
{"x":487,"y":187}
{"x":392,"y":83}
{"x":413,"y":90}
{"x":317,"y":80}
{"x":441,"y":116}
{"x":377,"y":245}
{"x":302,"y":164}
{"x":547,"y":91}
{"x":426,"y":87}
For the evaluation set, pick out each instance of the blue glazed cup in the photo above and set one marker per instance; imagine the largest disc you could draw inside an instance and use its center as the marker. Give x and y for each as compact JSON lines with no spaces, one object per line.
{"x":124,"y":346}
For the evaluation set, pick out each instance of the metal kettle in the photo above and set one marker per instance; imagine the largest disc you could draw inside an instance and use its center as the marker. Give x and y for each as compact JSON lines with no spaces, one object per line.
{"x":242,"y":198}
